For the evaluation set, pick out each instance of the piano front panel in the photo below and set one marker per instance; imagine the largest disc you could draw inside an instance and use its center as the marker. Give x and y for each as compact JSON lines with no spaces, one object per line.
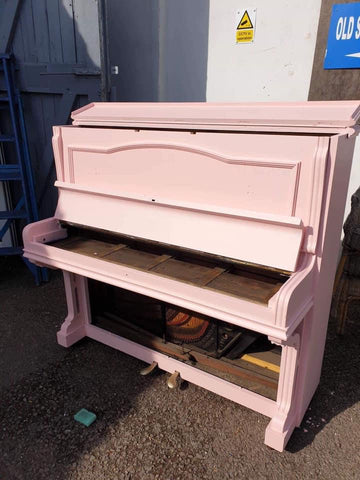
{"x":227,"y":175}
{"x":224,"y":170}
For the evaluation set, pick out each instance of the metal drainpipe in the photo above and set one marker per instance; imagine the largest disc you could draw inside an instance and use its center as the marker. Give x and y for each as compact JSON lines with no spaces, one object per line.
{"x":104,"y":52}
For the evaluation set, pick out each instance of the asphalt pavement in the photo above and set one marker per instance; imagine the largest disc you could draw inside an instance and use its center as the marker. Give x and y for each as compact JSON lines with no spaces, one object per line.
{"x":144,"y":430}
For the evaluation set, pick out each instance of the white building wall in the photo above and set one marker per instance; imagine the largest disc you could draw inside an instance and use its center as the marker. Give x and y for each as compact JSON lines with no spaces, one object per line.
{"x":277,"y":66}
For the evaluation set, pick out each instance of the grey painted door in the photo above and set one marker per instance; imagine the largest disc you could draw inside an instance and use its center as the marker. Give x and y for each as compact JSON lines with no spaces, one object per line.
{"x":57,"y":48}
{"x":159,"y":48}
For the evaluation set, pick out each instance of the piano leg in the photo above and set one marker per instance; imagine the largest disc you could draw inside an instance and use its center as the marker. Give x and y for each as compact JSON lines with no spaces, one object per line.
{"x":284,"y":421}
{"x":74,"y":327}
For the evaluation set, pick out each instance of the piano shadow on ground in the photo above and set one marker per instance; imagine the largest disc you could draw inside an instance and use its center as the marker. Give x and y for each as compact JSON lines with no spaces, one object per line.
{"x":43,"y":385}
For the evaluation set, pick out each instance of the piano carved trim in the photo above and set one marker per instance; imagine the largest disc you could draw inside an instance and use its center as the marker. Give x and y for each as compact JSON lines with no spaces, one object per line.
{"x":297,"y":296}
{"x":284,"y":420}
{"x":317,"y":188}
{"x":57,"y":144}
{"x":73,"y":328}
{"x":256,"y":162}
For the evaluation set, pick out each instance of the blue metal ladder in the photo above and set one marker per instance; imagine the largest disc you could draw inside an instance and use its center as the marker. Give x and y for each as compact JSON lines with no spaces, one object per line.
{"x":26,"y":206}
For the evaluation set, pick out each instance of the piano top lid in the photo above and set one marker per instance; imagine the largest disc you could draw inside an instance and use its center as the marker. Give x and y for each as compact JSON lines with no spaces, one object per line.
{"x":325,"y":117}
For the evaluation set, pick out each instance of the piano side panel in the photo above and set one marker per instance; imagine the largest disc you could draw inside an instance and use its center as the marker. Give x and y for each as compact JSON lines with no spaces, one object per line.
{"x":315,"y":323}
{"x":57,"y":144}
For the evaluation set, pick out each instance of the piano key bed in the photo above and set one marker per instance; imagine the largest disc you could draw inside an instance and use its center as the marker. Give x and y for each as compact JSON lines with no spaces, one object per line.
{"x":251,"y":282}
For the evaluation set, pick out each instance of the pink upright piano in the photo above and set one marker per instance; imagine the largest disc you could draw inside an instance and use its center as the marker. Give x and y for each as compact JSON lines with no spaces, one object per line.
{"x":203,"y":239}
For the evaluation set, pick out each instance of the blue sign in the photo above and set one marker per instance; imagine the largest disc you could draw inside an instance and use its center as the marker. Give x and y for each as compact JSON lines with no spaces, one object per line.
{"x":343,"y":47}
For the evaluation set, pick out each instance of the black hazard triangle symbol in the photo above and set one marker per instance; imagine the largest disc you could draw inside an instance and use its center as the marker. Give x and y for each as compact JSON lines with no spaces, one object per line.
{"x":245,"y":22}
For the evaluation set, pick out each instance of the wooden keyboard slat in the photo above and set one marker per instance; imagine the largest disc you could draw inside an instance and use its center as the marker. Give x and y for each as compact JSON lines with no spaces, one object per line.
{"x":185,"y":271}
{"x":159,"y":260}
{"x":88,"y":246}
{"x":248,"y":288}
{"x":134,"y":258}
{"x":112,"y":250}
{"x":212,"y":274}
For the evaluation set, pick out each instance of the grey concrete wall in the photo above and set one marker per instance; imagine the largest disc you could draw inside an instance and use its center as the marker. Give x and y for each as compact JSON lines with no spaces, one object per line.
{"x":183,"y":50}
{"x":160,"y":47}
{"x":133,"y":27}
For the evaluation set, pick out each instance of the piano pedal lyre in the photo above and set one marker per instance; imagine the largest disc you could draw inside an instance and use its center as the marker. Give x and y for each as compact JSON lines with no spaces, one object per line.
{"x":149,"y":369}
{"x":172,"y":381}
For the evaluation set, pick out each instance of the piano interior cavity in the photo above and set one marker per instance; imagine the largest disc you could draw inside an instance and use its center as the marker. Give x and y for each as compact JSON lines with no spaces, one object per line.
{"x":234,"y":354}
{"x":247,"y":281}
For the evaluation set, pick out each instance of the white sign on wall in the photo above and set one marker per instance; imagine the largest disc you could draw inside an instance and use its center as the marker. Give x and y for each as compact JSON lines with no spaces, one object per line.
{"x":245,"y":25}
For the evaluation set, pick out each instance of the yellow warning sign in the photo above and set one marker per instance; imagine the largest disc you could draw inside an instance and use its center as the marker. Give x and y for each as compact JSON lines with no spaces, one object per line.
{"x":243,"y":36}
{"x":245,"y":21}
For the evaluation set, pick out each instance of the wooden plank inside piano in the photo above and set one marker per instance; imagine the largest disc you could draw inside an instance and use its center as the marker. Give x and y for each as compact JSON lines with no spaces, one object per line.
{"x":203,"y":238}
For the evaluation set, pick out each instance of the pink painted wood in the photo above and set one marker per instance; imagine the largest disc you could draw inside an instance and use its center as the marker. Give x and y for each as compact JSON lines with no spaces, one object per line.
{"x":268,"y":187}
{"x":333,"y":115}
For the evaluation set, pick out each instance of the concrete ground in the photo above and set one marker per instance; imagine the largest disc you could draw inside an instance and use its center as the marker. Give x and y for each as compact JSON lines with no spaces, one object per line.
{"x":143,"y":429}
